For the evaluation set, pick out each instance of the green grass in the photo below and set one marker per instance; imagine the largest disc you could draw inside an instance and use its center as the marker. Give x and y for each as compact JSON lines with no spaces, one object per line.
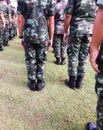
{"x":56,"y":107}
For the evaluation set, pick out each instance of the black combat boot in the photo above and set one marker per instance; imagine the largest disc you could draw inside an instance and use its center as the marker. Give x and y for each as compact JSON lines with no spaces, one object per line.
{"x":32,"y":85}
{"x":63,"y":62}
{"x":90,"y":126}
{"x":71,"y":82}
{"x":79,"y":81}
{"x":5,"y":43}
{"x":57,"y":61}
{"x":1,"y":49}
{"x":40,"y":85}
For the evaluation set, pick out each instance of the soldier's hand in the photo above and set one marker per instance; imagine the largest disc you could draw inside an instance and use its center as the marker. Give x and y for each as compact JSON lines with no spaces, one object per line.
{"x":49,"y":44}
{"x":22,"y":42}
{"x":93,"y":58}
{"x":10,"y":24}
{"x":3,"y":26}
{"x":65,"y":38}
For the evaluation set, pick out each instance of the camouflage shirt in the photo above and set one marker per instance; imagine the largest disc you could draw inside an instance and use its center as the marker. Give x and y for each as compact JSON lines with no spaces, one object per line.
{"x":5,"y":10}
{"x":59,"y":16}
{"x":83,"y":15}
{"x":36,"y":13}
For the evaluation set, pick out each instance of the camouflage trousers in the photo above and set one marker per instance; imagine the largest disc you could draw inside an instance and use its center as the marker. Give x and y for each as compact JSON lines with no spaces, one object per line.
{"x":11,"y":32}
{"x":36,"y":57}
{"x":1,"y":37}
{"x":59,"y":46}
{"x":15,"y":31}
{"x":77,"y":50}
{"x":6,"y":33}
{"x":99,"y":90}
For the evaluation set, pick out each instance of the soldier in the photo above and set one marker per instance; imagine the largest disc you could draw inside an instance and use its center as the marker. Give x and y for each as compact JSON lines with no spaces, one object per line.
{"x":2,"y":26}
{"x":12,"y":28}
{"x":58,"y":43}
{"x":6,"y":13}
{"x":32,"y":25}
{"x":96,"y":59}
{"x":80,"y":16}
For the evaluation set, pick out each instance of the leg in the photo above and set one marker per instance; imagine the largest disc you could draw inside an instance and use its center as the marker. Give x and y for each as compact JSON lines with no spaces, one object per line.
{"x":99,"y":91}
{"x":6,"y":35}
{"x":41,"y":59}
{"x":30,"y":57}
{"x":73,"y":52}
{"x":63,"y":51}
{"x":82,"y":60}
{"x":1,"y":40}
{"x":57,"y":42}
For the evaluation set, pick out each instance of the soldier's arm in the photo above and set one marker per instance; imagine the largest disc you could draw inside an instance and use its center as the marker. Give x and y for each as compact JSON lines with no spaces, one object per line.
{"x":66,"y":25}
{"x":21,"y":21}
{"x":2,"y":19}
{"x":68,"y":15}
{"x":51,"y":27}
{"x":21,"y":11}
{"x":51,"y":31}
{"x":97,"y":38}
{"x":98,"y":29}
{"x":67,"y":22}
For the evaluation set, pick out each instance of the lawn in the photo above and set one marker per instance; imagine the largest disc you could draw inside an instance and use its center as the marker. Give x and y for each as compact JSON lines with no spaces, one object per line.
{"x":56,"y":107}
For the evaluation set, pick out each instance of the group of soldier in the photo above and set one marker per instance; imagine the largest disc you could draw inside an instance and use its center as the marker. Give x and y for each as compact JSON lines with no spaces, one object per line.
{"x":8,"y":23}
{"x":36,"y":20}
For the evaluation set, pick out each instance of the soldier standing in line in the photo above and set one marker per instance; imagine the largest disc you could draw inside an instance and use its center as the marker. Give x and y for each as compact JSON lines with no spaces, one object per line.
{"x":7,"y":15}
{"x":14,"y":22}
{"x":80,"y":16}
{"x":34,"y":19}
{"x":12,"y":28}
{"x":12,"y":19}
{"x":58,"y":43}
{"x":2,"y":26}
{"x":96,"y":59}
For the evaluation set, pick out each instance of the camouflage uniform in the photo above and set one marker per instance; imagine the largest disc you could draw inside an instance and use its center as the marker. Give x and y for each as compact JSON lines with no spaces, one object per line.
{"x":11,"y":29}
{"x":99,"y":83}
{"x":36,"y":35}
{"x":6,"y":12}
{"x":58,"y":44}
{"x":83,"y":14}
{"x":99,"y":90}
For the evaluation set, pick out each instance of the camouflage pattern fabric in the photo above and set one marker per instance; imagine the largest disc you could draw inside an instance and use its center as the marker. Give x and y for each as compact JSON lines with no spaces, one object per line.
{"x":78,"y":49}
{"x":99,"y":90}
{"x":59,"y":46}
{"x":1,"y":35}
{"x":83,"y":14}
{"x":36,"y":57}
{"x":6,"y":34}
{"x":59,"y":16}
{"x":6,"y":11}
{"x":11,"y":29}
{"x":99,"y":83}
{"x":36,"y":13}
{"x":3,"y":10}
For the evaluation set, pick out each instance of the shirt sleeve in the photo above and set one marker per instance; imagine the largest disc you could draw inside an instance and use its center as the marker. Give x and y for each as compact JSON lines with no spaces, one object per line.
{"x":100,"y":3}
{"x":51,"y":11}
{"x":69,"y":7}
{"x":20,"y":7}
